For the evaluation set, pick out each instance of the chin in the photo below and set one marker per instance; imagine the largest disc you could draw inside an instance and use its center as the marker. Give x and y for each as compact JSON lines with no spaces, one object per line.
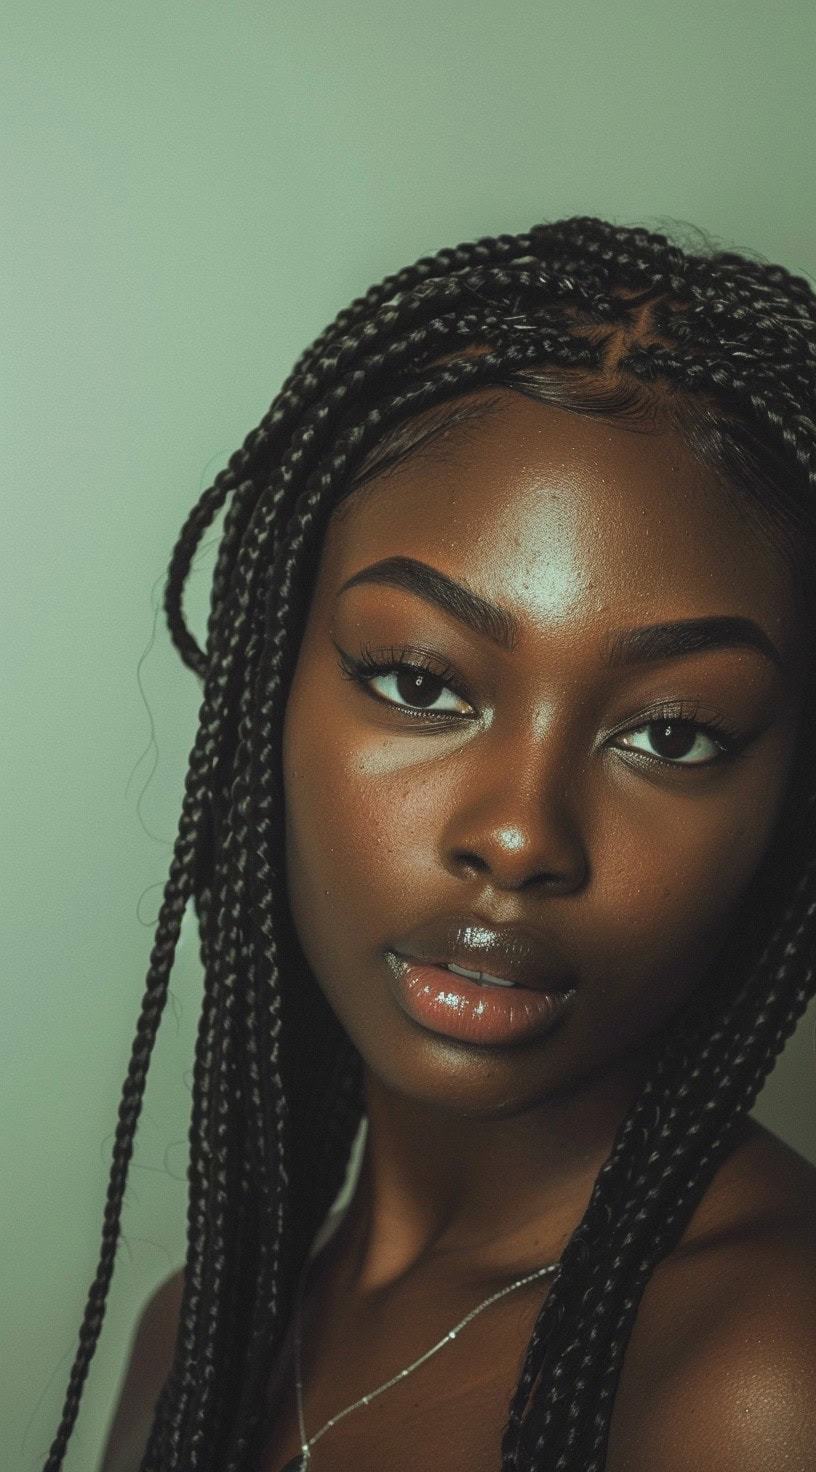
{"x":473,"y":1082}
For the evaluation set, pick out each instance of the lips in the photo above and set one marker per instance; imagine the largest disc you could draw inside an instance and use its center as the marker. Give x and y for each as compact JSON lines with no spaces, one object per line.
{"x":499,"y":955}
{"x":491,"y":986}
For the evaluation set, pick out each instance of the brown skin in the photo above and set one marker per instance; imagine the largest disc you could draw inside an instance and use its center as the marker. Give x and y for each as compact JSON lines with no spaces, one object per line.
{"x":535,"y":804}
{"x":526,"y":814}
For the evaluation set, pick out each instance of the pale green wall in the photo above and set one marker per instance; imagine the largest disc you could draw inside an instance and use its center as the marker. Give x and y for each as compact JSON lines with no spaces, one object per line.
{"x":193,"y":189}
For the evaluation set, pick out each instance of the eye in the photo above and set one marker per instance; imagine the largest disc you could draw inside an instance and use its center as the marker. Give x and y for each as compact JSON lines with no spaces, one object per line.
{"x":408,"y":681}
{"x":680,"y":741}
{"x":409,"y":685}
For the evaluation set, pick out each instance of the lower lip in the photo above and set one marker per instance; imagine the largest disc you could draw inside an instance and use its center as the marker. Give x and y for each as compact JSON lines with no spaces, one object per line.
{"x":455,"y":1007}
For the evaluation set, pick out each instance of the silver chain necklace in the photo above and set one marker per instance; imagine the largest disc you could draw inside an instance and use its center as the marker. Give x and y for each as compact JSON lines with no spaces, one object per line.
{"x":300,"y":1462}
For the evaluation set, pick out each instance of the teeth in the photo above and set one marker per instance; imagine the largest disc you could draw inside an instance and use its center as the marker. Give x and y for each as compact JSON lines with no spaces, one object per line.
{"x":460,"y":971}
{"x":483,"y":977}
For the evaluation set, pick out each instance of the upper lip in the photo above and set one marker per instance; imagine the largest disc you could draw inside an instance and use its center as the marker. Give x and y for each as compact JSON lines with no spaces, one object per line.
{"x":510,"y":952}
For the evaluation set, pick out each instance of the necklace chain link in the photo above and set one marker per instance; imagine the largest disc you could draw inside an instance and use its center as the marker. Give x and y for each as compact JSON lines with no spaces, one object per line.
{"x":300,"y":1463}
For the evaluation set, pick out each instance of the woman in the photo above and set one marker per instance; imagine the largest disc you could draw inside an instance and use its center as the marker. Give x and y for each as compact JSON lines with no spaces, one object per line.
{"x":498,"y":827}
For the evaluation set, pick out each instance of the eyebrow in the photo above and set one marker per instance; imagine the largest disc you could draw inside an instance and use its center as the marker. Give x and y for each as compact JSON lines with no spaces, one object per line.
{"x":485,"y":618}
{"x":623,"y":647}
{"x":689,"y":636}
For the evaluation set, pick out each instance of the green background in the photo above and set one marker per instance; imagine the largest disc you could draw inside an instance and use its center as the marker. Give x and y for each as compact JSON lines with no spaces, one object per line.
{"x":192,"y":190}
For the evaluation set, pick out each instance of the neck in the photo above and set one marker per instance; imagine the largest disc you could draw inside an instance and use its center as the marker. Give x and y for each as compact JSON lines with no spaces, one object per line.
{"x":500,"y":1196}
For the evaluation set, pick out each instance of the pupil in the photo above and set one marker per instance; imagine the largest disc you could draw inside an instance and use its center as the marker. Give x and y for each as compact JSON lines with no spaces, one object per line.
{"x":672,"y":738}
{"x":417,"y":687}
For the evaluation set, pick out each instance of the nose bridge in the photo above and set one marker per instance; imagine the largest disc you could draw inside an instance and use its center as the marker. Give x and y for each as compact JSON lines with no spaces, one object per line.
{"x":518,"y":811}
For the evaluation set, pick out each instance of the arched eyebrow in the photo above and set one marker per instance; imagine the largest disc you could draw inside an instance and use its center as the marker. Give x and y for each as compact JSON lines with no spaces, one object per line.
{"x":485,"y":618}
{"x":622,"y":647}
{"x":688,"y":636}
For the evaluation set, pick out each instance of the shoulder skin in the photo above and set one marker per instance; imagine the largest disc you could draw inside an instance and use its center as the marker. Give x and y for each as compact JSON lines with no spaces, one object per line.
{"x":150,"y":1361}
{"x":719,"y":1372}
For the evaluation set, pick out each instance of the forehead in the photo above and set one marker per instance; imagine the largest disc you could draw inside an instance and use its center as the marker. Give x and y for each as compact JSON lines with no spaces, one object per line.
{"x":562,"y":516}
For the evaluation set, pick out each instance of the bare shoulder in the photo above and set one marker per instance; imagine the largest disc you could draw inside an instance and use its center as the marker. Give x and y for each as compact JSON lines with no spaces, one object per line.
{"x":719,"y":1370}
{"x":149,"y":1364}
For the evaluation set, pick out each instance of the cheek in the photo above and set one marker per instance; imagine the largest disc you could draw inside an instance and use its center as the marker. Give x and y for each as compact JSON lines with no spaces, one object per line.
{"x":668,"y":894}
{"x":360,"y":828}
{"x":339,"y":838}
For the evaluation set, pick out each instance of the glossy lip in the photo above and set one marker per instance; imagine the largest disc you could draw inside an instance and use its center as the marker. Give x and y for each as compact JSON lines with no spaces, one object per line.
{"x":510,"y":952}
{"x":454,"y":1006}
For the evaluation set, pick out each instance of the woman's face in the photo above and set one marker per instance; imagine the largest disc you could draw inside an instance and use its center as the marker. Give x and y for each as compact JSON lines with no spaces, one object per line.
{"x":574,"y":784}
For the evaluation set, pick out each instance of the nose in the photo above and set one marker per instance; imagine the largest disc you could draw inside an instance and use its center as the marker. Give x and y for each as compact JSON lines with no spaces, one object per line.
{"x":516,"y":824}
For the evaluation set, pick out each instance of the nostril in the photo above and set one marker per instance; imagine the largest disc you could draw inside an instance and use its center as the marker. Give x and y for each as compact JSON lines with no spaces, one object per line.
{"x":520,"y":869}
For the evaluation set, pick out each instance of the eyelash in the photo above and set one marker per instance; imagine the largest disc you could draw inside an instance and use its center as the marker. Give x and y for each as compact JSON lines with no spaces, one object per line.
{"x":366,"y":666}
{"x":730,"y":742}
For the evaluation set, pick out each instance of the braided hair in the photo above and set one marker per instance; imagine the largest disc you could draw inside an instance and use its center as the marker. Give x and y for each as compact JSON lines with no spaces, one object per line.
{"x":601,"y":319}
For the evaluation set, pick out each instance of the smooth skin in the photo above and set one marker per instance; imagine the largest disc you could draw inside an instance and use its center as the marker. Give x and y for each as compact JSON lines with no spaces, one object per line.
{"x":530,"y":789}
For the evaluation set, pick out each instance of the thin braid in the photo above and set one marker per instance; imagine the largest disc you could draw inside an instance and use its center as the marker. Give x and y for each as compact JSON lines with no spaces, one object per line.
{"x":166,"y":1442}
{"x":177,"y":891}
{"x":227,"y":1101}
{"x":206,"y":1248}
{"x":164,"y":1447}
{"x":502,"y":248}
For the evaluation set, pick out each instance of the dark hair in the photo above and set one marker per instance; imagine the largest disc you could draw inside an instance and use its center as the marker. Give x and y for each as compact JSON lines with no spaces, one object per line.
{"x":599,"y":319}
